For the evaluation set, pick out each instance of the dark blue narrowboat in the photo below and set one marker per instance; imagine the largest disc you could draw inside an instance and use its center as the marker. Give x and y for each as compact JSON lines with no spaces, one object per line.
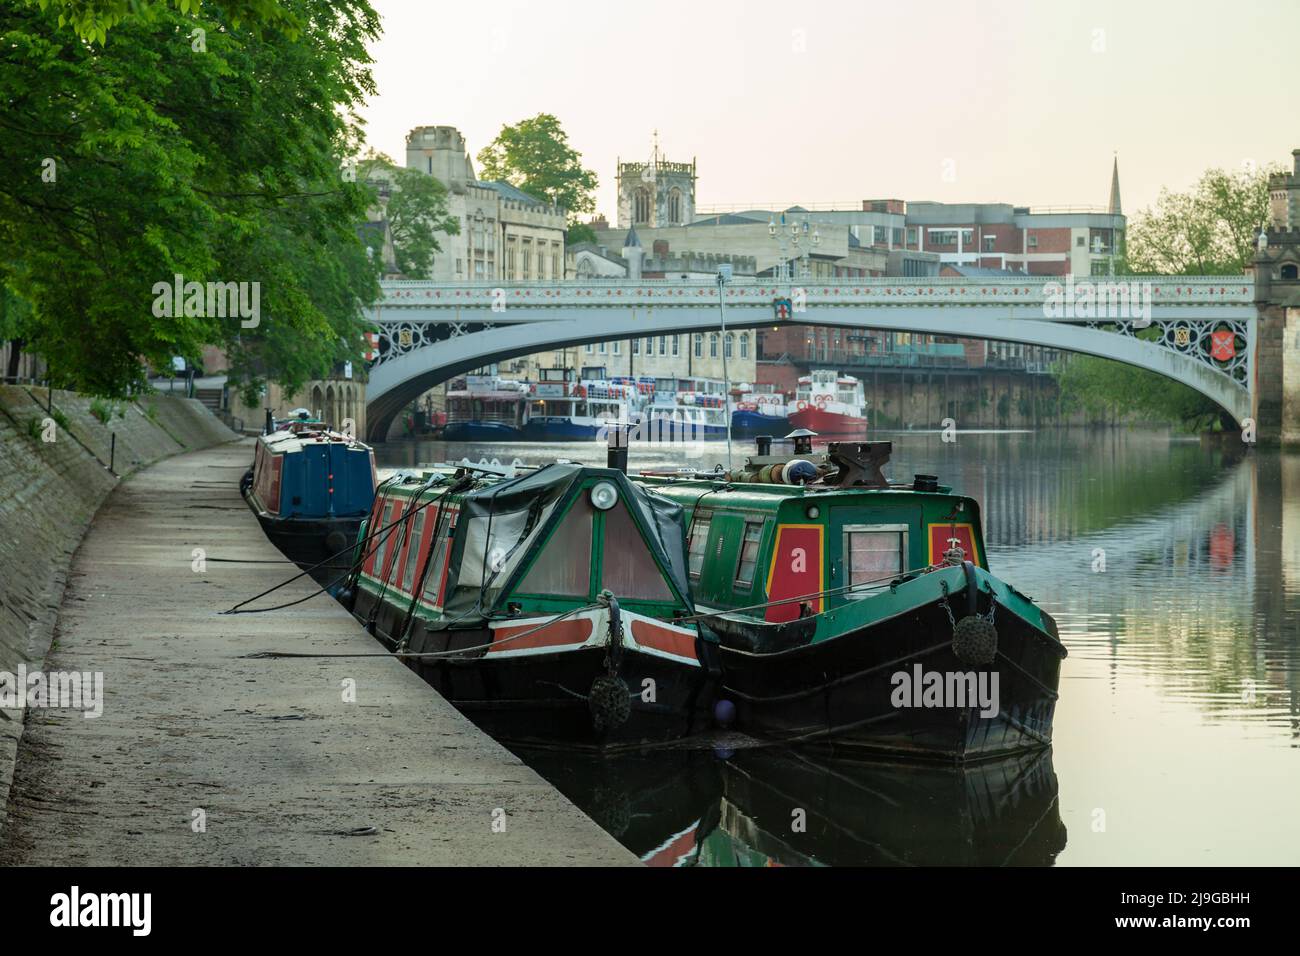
{"x":310,"y":487}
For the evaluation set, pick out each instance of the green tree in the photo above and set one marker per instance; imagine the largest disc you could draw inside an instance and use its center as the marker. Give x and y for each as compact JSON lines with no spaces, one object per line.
{"x":92,"y":19}
{"x":579,"y":232}
{"x":534,"y":155}
{"x":416,"y":208}
{"x":152,"y":156}
{"x":1209,"y":230}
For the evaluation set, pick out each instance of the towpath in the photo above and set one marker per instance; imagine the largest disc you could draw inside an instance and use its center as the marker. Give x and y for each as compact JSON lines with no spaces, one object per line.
{"x":206,"y":756}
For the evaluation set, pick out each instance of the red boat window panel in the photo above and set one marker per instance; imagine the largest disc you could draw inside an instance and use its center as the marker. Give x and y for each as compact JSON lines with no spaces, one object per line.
{"x":413,"y":551}
{"x":381,"y":540}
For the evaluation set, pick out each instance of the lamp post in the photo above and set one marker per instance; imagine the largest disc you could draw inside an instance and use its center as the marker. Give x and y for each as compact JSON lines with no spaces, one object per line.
{"x":724,"y":276}
{"x":803,"y":236}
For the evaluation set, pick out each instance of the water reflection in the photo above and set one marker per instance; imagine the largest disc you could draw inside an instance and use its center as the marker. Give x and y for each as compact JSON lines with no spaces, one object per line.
{"x":1173,"y":571}
{"x":782,"y":807}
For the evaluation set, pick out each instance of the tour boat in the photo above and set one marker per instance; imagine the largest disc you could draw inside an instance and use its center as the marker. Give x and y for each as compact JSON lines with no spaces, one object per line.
{"x":485,"y":408}
{"x":862,"y":613}
{"x":552,"y":607}
{"x":310,"y":487}
{"x":562,"y":409}
{"x":830,"y":404}
{"x":757,"y":413}
{"x":685,"y":410}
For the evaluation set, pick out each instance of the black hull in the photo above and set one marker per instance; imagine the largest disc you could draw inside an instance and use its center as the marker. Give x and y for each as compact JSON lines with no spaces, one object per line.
{"x":311,"y":541}
{"x":840,"y":692}
{"x":540,"y":700}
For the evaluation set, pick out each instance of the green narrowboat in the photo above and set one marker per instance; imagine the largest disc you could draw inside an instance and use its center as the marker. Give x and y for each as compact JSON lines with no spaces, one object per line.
{"x":860,"y":613}
{"x":552,"y":607}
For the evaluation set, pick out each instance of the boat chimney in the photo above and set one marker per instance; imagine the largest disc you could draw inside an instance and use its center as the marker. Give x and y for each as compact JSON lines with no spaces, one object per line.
{"x":270,"y":423}
{"x":616,"y":448}
{"x":802,"y":438}
{"x":763,"y":443}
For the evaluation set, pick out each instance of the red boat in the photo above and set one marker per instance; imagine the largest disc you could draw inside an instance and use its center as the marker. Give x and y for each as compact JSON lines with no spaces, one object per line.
{"x":830,"y":404}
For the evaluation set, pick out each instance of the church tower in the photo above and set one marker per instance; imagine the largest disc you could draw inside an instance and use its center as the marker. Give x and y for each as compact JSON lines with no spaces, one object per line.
{"x":656,"y":193}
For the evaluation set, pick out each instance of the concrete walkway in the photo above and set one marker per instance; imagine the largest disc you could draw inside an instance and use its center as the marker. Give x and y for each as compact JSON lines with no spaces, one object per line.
{"x":282,"y":768}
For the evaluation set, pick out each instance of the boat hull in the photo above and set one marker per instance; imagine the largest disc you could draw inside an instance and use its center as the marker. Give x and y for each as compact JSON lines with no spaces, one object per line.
{"x":747,"y":424}
{"x":312,"y":541}
{"x":559,"y":429}
{"x":829,"y":423}
{"x":480,"y":431}
{"x":538,"y":696}
{"x":845,"y":692}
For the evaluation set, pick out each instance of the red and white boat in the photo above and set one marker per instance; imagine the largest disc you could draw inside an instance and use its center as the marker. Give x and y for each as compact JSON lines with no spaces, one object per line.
{"x":830,"y":404}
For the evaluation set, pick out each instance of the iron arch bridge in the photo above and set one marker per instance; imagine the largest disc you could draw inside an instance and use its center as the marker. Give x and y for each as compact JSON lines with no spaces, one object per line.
{"x":1198,"y":330}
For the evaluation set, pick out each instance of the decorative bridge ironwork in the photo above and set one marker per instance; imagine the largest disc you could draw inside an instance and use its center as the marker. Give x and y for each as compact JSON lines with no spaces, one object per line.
{"x":1199,"y":330}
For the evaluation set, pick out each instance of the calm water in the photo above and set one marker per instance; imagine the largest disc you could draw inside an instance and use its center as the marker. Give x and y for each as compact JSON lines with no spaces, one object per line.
{"x":1177,"y":735}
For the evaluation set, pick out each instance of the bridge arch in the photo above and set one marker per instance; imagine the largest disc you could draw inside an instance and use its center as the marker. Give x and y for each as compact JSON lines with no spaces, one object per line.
{"x":469,"y":334}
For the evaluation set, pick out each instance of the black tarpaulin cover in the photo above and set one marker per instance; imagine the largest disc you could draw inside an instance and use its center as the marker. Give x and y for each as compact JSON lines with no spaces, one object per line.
{"x":502,"y":524}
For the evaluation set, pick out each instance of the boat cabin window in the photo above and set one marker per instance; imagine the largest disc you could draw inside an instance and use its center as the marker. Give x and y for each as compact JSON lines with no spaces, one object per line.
{"x":748,"y":558}
{"x":873,"y":556}
{"x":381,"y":539}
{"x":439,"y":548}
{"x":697,"y":543}
{"x":407,"y":583}
{"x":629,"y":569}
{"x":563,"y":568}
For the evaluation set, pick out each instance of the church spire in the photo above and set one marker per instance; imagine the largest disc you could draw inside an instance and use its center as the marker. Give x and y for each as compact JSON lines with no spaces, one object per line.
{"x":1115,"y":209}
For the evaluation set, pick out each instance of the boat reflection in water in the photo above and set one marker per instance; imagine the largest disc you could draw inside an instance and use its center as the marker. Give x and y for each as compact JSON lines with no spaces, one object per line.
{"x":765,"y":806}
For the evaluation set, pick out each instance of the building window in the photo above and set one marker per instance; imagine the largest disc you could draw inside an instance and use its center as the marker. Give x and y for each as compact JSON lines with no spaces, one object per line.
{"x":699,"y":345}
{"x":744,"y":345}
{"x":989,"y":242}
{"x":1033,"y":241}
{"x":675,"y":206}
{"x":939,"y":237}
{"x":1081,"y":241}
{"x":911,"y":237}
{"x":676,"y":344}
{"x":1100,"y":267}
{"x":618,"y":347}
{"x":879,"y":236}
{"x":636,"y":346}
{"x":601,"y":347}
{"x":649,"y":345}
{"x":641,"y":201}
{"x":590,"y":348}
{"x":726,"y":345}
{"x":713,"y":345}
{"x":528,"y":259}
{"x":663,"y":345}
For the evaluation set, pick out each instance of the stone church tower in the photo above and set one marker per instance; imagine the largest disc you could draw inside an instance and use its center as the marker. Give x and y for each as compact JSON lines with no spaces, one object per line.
{"x":656,"y":193}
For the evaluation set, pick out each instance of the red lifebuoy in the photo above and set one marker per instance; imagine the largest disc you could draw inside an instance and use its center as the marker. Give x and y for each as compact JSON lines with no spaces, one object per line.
{"x":800,"y":405}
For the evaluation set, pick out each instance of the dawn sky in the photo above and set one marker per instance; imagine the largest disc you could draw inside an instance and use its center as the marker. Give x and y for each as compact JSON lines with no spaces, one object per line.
{"x":827,"y":101}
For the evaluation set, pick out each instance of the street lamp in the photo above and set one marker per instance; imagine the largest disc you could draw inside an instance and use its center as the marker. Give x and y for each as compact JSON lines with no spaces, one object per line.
{"x":803,"y":236}
{"x":724,"y":276}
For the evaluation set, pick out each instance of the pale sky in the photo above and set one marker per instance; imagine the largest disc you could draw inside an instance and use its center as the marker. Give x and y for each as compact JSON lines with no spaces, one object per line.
{"x":822,"y":101}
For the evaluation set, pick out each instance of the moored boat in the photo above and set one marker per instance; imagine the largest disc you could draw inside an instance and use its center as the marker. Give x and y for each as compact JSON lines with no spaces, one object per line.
{"x":310,"y":487}
{"x":863,"y":614}
{"x":561,"y":408}
{"x":830,"y":404}
{"x":756,"y":413}
{"x":485,"y":408}
{"x":551,"y":607}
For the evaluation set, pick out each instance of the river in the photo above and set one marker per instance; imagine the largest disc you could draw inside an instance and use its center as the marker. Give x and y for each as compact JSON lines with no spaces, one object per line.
{"x":1173,"y":571}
